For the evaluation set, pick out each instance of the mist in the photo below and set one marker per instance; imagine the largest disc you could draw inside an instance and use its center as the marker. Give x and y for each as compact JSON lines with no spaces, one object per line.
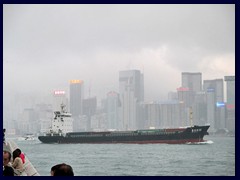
{"x":45,"y":46}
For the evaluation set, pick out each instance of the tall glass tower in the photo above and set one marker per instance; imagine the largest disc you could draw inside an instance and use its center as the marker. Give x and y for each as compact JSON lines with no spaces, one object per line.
{"x":76,"y":97}
{"x":131,"y":90}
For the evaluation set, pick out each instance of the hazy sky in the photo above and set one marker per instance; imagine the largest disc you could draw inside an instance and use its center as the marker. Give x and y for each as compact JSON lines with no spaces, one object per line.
{"x":45,"y":46}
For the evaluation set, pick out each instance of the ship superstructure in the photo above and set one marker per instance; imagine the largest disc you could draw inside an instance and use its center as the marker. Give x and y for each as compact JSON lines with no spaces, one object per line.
{"x":62,"y":122}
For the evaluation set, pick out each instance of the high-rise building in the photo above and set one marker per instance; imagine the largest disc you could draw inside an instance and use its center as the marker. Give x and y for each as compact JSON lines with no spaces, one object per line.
{"x":170,"y":114}
{"x":200,"y":108}
{"x":28,"y":122}
{"x":152,"y":115}
{"x":45,"y":114}
{"x":211,"y":108}
{"x":230,"y":122}
{"x":76,"y":97}
{"x":112,"y":110}
{"x":193,"y":81}
{"x":220,"y":115}
{"x":217,"y":86}
{"x":89,"y":109}
{"x":230,"y":80}
{"x":131,"y":90}
{"x":185,"y":96}
{"x":215,"y":96}
{"x":162,"y":114}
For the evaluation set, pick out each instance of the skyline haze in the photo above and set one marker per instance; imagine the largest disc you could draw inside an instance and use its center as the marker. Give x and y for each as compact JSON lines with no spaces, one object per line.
{"x":46,"y":46}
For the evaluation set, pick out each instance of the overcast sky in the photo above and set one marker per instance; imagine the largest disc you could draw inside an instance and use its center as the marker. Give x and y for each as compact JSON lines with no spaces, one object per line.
{"x":45,"y":46}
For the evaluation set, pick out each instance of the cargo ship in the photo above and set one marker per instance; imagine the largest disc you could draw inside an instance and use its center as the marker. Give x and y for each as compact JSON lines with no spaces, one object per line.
{"x":61,"y":132}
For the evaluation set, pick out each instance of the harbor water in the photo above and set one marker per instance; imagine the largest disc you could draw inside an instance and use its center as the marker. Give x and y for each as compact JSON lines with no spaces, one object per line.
{"x":214,"y":158}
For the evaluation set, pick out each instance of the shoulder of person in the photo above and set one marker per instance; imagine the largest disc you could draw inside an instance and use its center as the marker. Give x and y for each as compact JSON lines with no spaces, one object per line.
{"x":18,"y":159}
{"x":8,"y":167}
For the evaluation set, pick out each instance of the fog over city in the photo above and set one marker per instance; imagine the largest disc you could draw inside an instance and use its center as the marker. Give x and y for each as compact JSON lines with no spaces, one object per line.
{"x":45,"y":46}
{"x":98,"y":80}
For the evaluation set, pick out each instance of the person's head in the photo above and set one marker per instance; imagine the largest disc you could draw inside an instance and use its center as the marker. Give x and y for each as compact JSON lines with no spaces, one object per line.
{"x":62,"y":170}
{"x":4,"y":130}
{"x":54,"y":168}
{"x":8,"y":171}
{"x":16,"y":153}
{"x":18,"y":150}
{"x":6,"y":157}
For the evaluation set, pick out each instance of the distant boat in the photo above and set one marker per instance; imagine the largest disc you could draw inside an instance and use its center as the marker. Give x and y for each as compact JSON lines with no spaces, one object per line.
{"x":61,"y":132}
{"x":27,"y":137}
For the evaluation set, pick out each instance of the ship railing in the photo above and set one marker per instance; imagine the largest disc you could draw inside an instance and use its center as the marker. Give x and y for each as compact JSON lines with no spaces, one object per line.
{"x":29,"y":169}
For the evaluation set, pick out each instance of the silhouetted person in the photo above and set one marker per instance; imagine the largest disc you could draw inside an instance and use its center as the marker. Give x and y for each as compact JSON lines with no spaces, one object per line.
{"x":62,"y":170}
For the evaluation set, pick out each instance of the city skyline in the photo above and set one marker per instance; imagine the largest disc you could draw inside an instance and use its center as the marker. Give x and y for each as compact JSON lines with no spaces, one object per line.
{"x":128,"y":108}
{"x":88,"y":94}
{"x":45,"y":46}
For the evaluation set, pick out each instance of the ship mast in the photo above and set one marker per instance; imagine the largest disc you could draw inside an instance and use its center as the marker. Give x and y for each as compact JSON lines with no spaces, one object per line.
{"x":191,"y":116}
{"x":63,"y":107}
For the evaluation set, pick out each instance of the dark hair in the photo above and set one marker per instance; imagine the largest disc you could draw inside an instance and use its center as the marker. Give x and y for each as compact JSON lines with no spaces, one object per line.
{"x":55,"y":167}
{"x":62,"y":170}
{"x":16,"y":153}
{"x":18,"y":150}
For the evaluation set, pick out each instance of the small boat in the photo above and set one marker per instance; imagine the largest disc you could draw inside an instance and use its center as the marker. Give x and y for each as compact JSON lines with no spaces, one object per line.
{"x":27,"y":137}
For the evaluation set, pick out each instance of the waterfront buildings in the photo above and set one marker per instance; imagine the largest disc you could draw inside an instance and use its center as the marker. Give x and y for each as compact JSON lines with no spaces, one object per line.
{"x":127,"y":110}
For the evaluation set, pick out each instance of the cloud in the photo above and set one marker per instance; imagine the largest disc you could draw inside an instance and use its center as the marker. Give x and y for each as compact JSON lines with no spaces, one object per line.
{"x":47,"y":45}
{"x":218,"y":66}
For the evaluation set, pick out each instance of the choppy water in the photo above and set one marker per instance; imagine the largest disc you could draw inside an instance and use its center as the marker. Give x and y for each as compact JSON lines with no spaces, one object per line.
{"x":210,"y":159}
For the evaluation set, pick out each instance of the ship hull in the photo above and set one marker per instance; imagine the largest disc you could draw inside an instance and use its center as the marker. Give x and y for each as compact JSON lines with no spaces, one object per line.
{"x":168,"y":136}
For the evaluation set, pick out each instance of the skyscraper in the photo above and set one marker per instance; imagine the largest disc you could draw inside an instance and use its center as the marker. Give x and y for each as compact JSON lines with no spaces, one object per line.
{"x":112,"y":109}
{"x":230,"y":121}
{"x":230,"y":80}
{"x":76,"y":97}
{"x":200,"y":108}
{"x":193,"y":81}
{"x":215,"y":85}
{"x":215,"y":112}
{"x":131,"y":90}
{"x":185,"y":97}
{"x":89,"y":107}
{"x":211,"y":108}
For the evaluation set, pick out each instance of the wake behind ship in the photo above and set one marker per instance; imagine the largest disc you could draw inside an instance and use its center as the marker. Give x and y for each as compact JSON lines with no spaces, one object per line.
{"x":61,"y":132}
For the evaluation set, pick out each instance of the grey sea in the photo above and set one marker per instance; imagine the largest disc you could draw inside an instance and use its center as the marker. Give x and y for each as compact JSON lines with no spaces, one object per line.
{"x":214,"y":158}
